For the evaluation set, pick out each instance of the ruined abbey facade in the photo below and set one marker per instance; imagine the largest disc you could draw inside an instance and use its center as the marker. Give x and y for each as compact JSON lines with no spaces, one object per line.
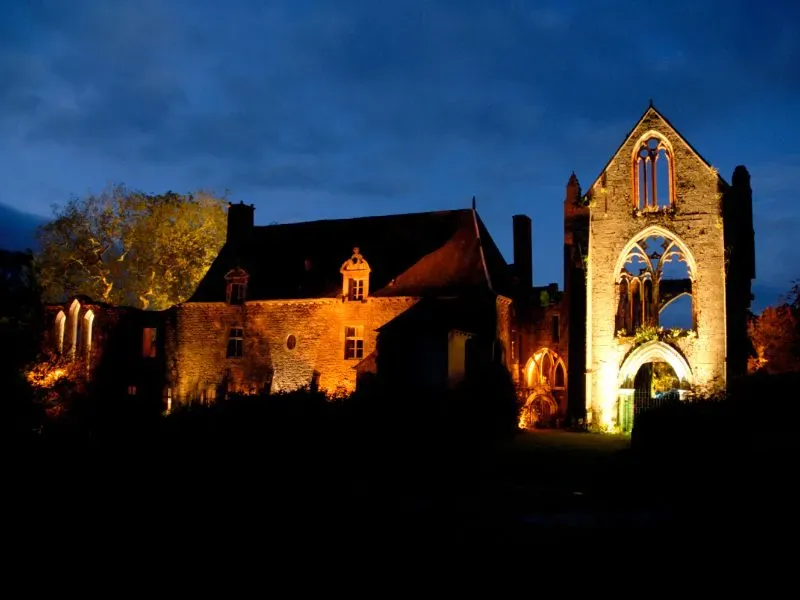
{"x":423,"y":299}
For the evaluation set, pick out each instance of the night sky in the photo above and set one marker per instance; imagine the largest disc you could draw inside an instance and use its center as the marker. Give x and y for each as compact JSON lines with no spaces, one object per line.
{"x":344,"y":108}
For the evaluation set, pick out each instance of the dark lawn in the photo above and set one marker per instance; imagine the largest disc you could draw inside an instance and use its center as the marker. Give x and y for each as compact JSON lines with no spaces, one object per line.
{"x":541,"y":493}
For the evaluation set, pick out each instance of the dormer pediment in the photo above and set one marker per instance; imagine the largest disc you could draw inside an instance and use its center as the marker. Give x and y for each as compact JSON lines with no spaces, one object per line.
{"x":355,"y":264}
{"x":237,"y":274}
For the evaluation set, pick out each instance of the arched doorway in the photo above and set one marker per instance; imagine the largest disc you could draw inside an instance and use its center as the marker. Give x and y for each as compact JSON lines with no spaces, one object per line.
{"x":652,"y":375}
{"x":540,"y":411}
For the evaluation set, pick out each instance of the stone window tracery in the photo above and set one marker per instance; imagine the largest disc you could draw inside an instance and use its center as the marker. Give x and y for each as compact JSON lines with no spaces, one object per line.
{"x":653,"y":177}
{"x":655,"y":271}
{"x":546,"y":368}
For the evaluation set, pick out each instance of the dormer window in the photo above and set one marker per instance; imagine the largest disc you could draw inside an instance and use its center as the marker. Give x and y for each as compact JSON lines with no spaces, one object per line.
{"x":236,"y":286}
{"x":356,"y":289}
{"x":355,"y":277}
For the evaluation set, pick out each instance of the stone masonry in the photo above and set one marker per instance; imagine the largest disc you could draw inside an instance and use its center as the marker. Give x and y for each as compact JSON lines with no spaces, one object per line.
{"x":695,"y":222}
{"x":318,"y":356}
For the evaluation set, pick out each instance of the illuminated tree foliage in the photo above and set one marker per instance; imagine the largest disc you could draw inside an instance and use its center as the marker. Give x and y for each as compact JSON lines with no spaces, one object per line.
{"x":775,"y":336}
{"x":129,"y":248}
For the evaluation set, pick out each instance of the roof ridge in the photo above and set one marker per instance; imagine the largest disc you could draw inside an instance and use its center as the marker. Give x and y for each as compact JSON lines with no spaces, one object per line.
{"x":364,"y":217}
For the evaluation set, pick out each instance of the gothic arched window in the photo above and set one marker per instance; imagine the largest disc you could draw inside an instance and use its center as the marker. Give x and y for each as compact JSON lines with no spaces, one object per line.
{"x":653,"y":180}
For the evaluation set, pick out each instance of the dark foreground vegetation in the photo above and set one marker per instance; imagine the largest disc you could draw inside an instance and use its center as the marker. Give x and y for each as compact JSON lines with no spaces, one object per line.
{"x":397,"y":471}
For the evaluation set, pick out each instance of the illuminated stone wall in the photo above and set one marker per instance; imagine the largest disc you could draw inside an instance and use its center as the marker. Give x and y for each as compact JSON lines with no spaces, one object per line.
{"x":200,"y":339}
{"x":613,"y":222}
{"x":503,"y":332}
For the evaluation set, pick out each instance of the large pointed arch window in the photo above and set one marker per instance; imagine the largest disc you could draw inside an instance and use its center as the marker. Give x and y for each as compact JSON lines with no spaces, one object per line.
{"x":653,"y":176}
{"x":654,"y":286}
{"x":546,"y":368}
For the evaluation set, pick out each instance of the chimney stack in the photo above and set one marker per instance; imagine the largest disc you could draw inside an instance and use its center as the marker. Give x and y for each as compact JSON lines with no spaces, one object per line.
{"x":523,"y":250}
{"x":240,"y":221}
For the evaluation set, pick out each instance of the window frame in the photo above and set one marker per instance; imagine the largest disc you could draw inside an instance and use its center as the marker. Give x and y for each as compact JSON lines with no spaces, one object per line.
{"x":354,"y":342}
{"x":235,"y":345}
{"x":356,"y":288}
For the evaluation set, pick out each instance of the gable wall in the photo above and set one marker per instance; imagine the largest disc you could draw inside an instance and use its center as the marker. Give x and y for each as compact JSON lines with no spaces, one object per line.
{"x":697,"y":221}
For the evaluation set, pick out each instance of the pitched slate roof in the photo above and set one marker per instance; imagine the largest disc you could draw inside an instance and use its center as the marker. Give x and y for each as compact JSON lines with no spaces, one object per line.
{"x":417,"y":254}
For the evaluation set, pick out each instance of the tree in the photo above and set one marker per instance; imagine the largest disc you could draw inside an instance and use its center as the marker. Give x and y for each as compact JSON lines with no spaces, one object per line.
{"x":129,"y":248}
{"x":775,"y":335}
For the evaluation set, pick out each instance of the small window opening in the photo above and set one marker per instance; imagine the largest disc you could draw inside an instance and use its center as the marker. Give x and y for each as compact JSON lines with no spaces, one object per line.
{"x":356,"y":291}
{"x":149,"y":342}
{"x":354,"y":342}
{"x":235,"y":343}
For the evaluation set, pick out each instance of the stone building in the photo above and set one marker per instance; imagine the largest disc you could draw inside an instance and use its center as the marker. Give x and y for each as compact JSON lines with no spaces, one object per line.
{"x":658,"y":264}
{"x":657,"y":228}
{"x":284,"y":306}
{"x":418,"y":299}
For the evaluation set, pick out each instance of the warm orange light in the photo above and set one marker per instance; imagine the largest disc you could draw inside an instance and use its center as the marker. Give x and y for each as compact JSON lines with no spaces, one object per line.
{"x":45,"y":376}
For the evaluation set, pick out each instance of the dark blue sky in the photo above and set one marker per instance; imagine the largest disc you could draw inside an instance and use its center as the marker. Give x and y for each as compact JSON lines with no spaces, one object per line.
{"x":342,"y":108}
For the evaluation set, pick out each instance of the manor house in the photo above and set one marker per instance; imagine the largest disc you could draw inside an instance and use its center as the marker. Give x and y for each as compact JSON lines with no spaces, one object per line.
{"x":423,"y":299}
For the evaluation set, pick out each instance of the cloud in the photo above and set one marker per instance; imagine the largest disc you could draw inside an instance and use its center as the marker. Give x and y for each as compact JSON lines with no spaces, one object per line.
{"x":377,"y":104}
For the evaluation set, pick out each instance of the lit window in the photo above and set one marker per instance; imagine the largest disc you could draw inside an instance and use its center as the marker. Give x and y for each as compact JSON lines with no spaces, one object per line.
{"x":87,"y":333}
{"x":560,"y":378}
{"x":354,"y":342}
{"x":356,"y":289}
{"x":235,"y":343}
{"x":131,"y":390}
{"x":149,"y":342}
{"x":60,"y":326}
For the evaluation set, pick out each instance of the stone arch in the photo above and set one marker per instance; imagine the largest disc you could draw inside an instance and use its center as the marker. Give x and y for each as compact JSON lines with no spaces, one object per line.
{"x":654,"y":351}
{"x":60,"y":328}
{"x":73,"y":326}
{"x":542,"y":368}
{"x":643,"y":170}
{"x":657,"y":231}
{"x":87,"y":332}
{"x":540,"y":410}
{"x":671,"y":300}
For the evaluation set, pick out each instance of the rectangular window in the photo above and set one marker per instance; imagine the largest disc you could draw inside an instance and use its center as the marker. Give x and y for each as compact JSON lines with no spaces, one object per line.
{"x":236,"y":293}
{"x":354,"y":342}
{"x":149,"y":339}
{"x":555,"y":329}
{"x":356,"y":289}
{"x":131,"y":390}
{"x":235,"y":343}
